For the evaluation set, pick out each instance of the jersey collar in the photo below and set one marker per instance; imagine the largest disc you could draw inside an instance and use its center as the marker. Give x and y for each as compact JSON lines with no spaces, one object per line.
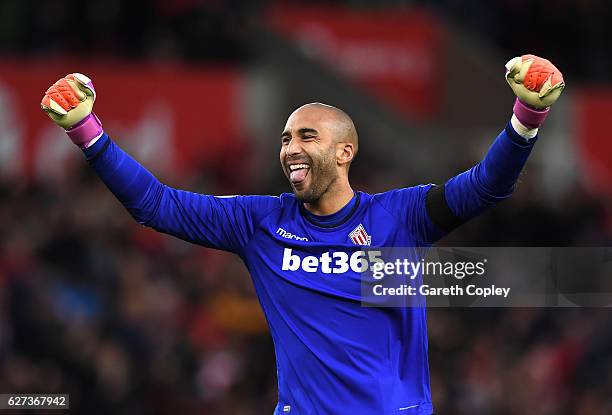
{"x":335,"y":219}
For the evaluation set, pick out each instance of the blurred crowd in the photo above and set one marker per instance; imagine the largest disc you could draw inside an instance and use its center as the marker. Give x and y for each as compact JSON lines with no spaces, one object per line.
{"x":125,"y":320}
{"x":566,"y":31}
{"x":521,"y":361}
{"x":217,"y":31}
{"x":572,"y":33}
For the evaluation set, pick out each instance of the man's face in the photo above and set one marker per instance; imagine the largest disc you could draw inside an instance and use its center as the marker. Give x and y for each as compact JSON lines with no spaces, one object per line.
{"x":308,"y":153}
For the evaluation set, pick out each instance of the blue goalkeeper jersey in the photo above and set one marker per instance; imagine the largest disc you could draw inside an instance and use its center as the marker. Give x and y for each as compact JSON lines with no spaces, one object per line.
{"x":333,"y":355}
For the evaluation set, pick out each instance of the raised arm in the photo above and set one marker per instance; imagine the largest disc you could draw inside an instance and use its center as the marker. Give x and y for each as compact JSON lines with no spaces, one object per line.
{"x":537,"y":84}
{"x":219,"y":222}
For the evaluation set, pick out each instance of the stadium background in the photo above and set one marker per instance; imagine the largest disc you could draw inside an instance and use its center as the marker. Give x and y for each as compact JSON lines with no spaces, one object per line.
{"x":131,"y":322}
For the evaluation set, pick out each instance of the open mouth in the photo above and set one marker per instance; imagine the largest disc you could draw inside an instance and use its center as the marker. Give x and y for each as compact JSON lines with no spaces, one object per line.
{"x":298,"y":172}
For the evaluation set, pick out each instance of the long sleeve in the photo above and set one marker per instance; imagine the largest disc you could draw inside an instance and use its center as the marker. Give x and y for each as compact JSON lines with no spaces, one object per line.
{"x":214,"y":221}
{"x":492,"y":180}
{"x":431,"y":211}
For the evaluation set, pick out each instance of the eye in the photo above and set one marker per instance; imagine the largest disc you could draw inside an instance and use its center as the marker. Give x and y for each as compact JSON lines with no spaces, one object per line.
{"x":285,"y":140}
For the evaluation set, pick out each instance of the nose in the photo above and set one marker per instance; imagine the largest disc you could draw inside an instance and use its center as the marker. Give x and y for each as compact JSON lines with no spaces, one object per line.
{"x":294,"y":147}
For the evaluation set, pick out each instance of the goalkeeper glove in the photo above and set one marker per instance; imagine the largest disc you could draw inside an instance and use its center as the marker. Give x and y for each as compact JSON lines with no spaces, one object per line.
{"x":69,"y":103}
{"x":537,"y":84}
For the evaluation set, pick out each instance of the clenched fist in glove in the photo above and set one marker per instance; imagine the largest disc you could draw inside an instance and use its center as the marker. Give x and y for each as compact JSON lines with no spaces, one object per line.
{"x":537,"y":84}
{"x":69,"y":103}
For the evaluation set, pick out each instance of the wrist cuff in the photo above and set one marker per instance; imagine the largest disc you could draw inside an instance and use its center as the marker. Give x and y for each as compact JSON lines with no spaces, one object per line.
{"x":528,"y":116}
{"x":85,"y":131}
{"x":522,"y":130}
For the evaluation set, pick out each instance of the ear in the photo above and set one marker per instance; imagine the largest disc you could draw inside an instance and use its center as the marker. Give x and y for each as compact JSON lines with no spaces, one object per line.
{"x":345,"y":152}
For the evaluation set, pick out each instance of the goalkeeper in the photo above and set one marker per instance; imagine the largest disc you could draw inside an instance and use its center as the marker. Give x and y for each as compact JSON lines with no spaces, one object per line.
{"x":333,"y":356}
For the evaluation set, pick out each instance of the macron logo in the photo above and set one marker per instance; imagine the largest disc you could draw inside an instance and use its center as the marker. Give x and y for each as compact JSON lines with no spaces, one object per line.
{"x":289,"y":235}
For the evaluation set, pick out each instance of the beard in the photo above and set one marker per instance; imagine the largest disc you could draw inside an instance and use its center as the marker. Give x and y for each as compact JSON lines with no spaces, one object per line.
{"x":322,"y":174}
{"x":313,"y":193}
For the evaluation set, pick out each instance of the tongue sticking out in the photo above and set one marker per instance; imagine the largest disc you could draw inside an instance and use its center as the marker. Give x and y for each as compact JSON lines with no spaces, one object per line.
{"x":298,"y":176}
